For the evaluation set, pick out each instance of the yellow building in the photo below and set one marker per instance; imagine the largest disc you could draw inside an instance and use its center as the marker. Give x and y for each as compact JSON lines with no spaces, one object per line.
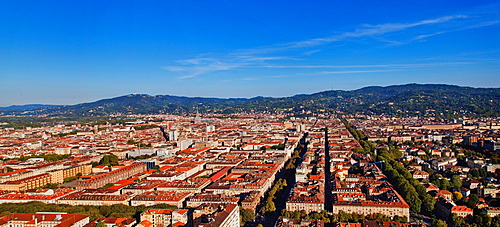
{"x":36,"y":181}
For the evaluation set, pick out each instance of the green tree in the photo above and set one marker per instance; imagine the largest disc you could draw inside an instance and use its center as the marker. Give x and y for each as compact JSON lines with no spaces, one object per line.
{"x":284,"y":183}
{"x":428,"y":203}
{"x":474,"y":173}
{"x":482,"y":219}
{"x":302,"y":213}
{"x":479,"y":173}
{"x":456,"y":181}
{"x":438,"y":223}
{"x":278,"y":147}
{"x":315,"y":215}
{"x":101,"y":224}
{"x":412,"y":199}
{"x":457,"y":196}
{"x":358,"y":150}
{"x":455,"y":221}
{"x":109,"y":160}
{"x":396,"y":153}
{"x":51,"y":186}
{"x":269,"y":206}
{"x":495,"y":221}
{"x":445,"y":184}
{"x":421,"y":190}
{"x":435,"y":177}
{"x":400,"y":219}
{"x":472,"y":201}
{"x":68,"y":179}
{"x":105,"y":211}
{"x":93,"y":212}
{"x":246,"y":215}
{"x":483,"y":173}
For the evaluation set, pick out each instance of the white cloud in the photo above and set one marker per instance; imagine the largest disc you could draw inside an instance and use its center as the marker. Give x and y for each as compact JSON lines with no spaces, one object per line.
{"x":251,"y":78}
{"x":354,"y":71}
{"x":372,"y":66}
{"x":421,"y":37}
{"x":264,"y":56}
{"x":310,"y":52}
{"x":370,"y":30}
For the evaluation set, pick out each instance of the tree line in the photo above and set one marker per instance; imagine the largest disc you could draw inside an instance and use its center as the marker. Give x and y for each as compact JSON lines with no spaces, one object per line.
{"x":113,"y":211}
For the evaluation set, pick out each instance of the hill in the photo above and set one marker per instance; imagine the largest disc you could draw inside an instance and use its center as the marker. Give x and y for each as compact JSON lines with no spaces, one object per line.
{"x":445,"y":101}
{"x":26,"y":107}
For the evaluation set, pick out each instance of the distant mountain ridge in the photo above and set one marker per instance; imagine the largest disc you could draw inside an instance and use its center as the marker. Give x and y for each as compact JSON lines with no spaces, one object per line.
{"x":437,"y":100}
{"x":26,"y":107}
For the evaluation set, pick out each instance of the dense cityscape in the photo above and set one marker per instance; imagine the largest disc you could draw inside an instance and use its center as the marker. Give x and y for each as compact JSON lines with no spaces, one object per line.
{"x":231,"y":113}
{"x":252,"y":170}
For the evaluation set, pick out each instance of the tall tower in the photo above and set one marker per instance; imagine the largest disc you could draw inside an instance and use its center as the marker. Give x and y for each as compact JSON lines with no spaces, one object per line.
{"x":197,"y":119}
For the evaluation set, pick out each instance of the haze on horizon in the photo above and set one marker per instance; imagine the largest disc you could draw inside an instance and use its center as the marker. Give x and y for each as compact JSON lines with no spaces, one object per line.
{"x":56,"y":52}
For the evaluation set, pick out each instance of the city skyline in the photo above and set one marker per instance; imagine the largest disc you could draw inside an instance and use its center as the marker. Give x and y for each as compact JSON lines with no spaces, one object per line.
{"x":63,"y":53}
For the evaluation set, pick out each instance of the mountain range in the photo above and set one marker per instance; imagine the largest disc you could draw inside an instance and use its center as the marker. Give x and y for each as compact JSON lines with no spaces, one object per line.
{"x":437,"y":100}
{"x":26,"y":107}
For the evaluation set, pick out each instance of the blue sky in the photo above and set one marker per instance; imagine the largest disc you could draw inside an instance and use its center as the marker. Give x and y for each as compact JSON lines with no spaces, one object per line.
{"x":68,"y":52}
